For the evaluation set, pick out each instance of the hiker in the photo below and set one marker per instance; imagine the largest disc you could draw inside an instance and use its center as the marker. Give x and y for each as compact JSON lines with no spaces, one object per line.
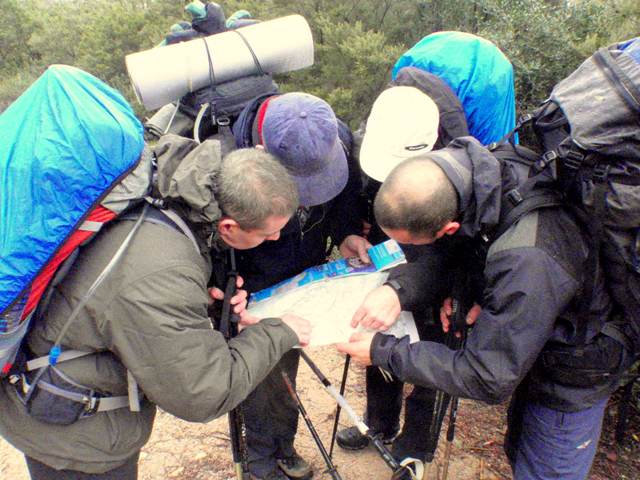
{"x":418,"y":129}
{"x":427,"y":115}
{"x":303,"y":133}
{"x":532,"y":307}
{"x":148,"y":319}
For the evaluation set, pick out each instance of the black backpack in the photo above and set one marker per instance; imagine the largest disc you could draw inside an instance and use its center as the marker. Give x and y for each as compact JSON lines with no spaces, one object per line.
{"x":589,"y":129}
{"x":212,"y":110}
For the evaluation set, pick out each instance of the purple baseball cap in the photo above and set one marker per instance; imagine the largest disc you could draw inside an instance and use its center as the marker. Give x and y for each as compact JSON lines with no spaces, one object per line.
{"x":302,"y":132}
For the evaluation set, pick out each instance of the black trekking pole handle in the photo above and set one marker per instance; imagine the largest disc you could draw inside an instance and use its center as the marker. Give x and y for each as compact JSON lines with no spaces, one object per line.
{"x":229,"y":328}
{"x":376,"y":440}
{"x":331,"y":468}
{"x":343,"y":384}
{"x":229,"y":319}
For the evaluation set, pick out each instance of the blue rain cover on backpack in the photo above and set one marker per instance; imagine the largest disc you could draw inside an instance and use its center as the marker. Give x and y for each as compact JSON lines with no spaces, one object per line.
{"x":477,"y":71}
{"x":65,"y":142}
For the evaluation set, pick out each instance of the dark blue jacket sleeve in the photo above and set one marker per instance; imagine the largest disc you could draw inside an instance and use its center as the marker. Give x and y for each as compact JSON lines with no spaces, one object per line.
{"x":525,"y":292}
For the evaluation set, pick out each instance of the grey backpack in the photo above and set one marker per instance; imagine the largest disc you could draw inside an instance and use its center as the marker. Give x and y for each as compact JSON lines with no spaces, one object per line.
{"x":589,"y":129}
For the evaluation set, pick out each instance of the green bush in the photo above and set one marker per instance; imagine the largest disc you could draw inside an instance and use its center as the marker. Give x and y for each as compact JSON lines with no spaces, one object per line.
{"x":357,"y":41}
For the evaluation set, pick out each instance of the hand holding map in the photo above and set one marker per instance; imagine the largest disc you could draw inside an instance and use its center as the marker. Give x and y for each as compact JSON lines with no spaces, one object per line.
{"x":328,"y":295}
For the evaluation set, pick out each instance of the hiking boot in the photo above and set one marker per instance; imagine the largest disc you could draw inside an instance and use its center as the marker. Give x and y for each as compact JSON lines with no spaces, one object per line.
{"x":295,"y":467}
{"x":351,"y":439}
{"x":275,"y":474}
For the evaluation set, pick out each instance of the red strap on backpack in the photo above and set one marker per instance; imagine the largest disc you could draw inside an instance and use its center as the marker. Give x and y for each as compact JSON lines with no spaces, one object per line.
{"x":261,"y":113}
{"x":99,"y":215}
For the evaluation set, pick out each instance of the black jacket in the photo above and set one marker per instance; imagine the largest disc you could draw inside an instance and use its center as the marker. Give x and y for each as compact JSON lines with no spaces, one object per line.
{"x":300,"y":245}
{"x":534,"y":274}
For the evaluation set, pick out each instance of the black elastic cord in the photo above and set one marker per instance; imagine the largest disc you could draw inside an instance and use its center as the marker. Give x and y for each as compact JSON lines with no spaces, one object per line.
{"x":212,"y":76}
{"x":621,"y":82}
{"x":255,"y":58}
{"x":212,"y":87}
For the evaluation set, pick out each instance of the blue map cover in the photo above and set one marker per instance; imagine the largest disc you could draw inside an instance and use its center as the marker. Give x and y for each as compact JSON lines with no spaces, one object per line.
{"x":383,"y":256}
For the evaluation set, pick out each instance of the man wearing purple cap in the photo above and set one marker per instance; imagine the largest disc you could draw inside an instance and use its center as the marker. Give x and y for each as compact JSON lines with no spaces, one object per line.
{"x":303,"y":133}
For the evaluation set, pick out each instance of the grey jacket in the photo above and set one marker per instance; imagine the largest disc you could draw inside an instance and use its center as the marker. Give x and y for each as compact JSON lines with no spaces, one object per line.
{"x":150,"y":317}
{"x":533,"y":278}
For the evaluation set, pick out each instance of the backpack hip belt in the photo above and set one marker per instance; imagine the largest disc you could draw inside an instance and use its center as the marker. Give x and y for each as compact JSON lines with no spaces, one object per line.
{"x":52,"y":397}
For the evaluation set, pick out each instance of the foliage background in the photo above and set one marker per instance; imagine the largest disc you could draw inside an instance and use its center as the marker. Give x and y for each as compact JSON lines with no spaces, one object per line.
{"x":357,"y":41}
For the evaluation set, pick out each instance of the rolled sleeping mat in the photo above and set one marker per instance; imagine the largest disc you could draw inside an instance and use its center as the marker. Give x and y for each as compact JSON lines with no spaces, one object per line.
{"x":162,"y":75}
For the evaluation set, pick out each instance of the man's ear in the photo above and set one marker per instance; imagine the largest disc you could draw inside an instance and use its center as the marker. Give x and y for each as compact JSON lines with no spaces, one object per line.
{"x":226,"y":225}
{"x":449,"y":229}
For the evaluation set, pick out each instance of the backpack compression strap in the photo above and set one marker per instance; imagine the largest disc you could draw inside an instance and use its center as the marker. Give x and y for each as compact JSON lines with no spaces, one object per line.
{"x":517,"y":205}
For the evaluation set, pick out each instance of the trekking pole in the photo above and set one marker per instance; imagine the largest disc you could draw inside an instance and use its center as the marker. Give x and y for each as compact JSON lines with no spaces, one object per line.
{"x":229,"y":328}
{"x":450,"y":434}
{"x":376,"y":440}
{"x":439,"y":411}
{"x":331,"y":468}
{"x":461,"y":305}
{"x":442,"y":400}
{"x":459,"y":324}
{"x":345,"y":372}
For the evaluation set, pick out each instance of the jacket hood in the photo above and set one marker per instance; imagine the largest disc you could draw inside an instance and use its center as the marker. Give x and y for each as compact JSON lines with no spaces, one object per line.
{"x":186,"y":176}
{"x":477,"y":177}
{"x":244,"y":128}
{"x":453,"y":121}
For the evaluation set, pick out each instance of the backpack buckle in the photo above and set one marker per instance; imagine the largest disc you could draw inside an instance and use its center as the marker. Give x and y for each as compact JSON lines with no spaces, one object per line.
{"x":514,"y":196}
{"x":92,"y":403}
{"x":524,"y":119}
{"x":600,"y":173}
{"x":545,"y":159}
{"x":573,"y":160}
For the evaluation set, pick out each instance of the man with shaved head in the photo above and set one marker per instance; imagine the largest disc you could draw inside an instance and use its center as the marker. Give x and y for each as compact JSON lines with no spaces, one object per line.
{"x":534,"y":304}
{"x":427,"y":115}
{"x":400,"y":205}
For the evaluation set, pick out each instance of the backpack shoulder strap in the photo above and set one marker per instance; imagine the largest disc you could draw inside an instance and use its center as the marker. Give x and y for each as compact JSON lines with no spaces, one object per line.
{"x":165,"y":216}
{"x":55,"y":353}
{"x":533,"y":194}
{"x":515,"y":206}
{"x":181,"y":225}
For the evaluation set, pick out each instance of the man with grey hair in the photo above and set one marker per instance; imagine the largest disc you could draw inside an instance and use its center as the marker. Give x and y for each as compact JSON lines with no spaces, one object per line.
{"x":148,"y":320}
{"x":533,"y":301}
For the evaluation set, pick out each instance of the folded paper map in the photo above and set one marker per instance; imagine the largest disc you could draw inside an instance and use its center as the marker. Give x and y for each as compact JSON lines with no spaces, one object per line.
{"x":328,"y":295}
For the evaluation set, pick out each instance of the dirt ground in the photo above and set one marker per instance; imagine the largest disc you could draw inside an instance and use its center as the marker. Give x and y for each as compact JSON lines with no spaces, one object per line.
{"x":181,"y":450}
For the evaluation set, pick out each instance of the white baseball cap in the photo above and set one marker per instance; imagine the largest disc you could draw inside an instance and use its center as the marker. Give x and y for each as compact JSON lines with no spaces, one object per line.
{"x":403,"y":123}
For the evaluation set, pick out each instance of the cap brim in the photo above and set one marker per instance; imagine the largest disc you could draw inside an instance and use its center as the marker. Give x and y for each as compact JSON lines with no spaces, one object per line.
{"x":377,"y":161}
{"x":327,"y":183}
